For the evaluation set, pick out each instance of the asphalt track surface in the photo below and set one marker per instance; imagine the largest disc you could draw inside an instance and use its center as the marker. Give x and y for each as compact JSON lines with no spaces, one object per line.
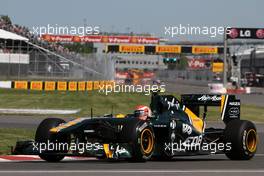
{"x":206,"y":165}
{"x":183,"y":87}
{"x":197,"y":165}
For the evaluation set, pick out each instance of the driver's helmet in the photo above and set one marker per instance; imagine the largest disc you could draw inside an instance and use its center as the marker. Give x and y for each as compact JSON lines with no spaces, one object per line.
{"x":142,"y":112}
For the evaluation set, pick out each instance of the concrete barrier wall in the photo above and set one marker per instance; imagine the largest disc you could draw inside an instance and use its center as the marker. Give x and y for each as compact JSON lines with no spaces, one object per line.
{"x":56,"y":85}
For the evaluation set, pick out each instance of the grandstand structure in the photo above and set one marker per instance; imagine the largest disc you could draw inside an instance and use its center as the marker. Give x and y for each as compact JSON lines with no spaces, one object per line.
{"x":26,"y":56}
{"x":126,"y":61}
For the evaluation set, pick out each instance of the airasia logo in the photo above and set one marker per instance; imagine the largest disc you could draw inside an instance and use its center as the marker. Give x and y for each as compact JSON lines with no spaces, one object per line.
{"x":260,"y":33}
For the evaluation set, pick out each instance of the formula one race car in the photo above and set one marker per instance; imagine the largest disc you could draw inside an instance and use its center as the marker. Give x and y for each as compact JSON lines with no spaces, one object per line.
{"x":175,"y":128}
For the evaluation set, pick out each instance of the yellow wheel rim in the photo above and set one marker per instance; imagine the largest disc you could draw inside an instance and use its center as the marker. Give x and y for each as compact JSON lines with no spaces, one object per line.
{"x":147,"y":141}
{"x":251,"y":140}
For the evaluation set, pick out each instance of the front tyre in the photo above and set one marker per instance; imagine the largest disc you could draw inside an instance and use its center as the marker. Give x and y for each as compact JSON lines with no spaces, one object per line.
{"x":242,"y":135}
{"x":44,"y":136}
{"x":143,"y":144}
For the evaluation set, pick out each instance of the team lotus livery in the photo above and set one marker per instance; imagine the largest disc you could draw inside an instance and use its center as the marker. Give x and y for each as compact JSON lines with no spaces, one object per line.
{"x":173,"y":128}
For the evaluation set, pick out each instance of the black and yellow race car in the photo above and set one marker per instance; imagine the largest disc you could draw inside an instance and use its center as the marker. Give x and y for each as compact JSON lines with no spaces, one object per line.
{"x":175,"y":128}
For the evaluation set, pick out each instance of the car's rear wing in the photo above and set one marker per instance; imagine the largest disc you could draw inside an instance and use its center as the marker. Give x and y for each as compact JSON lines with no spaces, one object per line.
{"x":229,"y":105}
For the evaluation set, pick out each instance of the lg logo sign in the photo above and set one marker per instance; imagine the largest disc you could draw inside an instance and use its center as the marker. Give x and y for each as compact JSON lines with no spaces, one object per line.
{"x":260,"y":33}
{"x":234,"y":33}
{"x":244,"y":33}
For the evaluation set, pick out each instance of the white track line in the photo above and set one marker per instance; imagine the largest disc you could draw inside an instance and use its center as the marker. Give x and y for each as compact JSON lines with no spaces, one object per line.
{"x":28,"y":156}
{"x":39,"y":111}
{"x":34,"y":157}
{"x":3,"y":160}
{"x":134,"y":171}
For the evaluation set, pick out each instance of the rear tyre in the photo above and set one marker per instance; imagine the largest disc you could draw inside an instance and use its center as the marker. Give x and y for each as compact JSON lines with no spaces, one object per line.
{"x":242,"y":135}
{"x":44,"y":136}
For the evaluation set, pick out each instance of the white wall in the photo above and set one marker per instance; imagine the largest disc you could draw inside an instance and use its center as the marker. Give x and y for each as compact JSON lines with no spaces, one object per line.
{"x":14,"y":58}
